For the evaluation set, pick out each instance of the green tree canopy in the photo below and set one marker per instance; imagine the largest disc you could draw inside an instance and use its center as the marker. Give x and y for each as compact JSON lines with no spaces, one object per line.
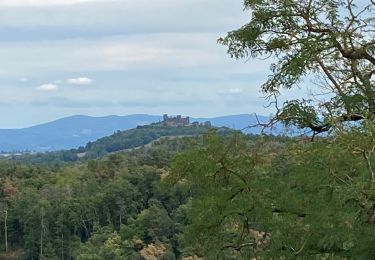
{"x":330,"y":40}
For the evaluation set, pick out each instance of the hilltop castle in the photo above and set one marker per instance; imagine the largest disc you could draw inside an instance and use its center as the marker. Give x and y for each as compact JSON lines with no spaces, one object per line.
{"x":177,"y":120}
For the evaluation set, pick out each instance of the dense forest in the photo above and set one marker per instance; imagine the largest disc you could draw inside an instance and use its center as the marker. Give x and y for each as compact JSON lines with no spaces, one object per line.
{"x":231,"y":196}
{"x":109,"y":208}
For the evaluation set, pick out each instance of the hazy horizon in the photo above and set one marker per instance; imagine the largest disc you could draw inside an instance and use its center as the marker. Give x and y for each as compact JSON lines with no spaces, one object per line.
{"x":126,"y":115}
{"x":101,"y":58}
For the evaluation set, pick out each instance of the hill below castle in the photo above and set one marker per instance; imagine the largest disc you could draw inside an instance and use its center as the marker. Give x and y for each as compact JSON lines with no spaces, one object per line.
{"x":76,"y":131}
{"x":120,"y":141}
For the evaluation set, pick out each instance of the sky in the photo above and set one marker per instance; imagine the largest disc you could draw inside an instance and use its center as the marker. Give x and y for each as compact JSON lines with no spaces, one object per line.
{"x":103,"y":57}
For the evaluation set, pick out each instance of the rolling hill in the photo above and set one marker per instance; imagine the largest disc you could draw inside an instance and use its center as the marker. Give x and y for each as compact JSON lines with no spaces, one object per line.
{"x":75,"y":131}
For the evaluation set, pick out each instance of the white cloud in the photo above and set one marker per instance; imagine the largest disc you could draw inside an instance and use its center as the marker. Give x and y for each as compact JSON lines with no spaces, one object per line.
{"x":80,"y":81}
{"x":47,"y":87}
{"x":235,"y":90}
{"x":121,"y":16}
{"x":22,"y":3}
{"x":151,"y":51}
{"x":23,"y":79}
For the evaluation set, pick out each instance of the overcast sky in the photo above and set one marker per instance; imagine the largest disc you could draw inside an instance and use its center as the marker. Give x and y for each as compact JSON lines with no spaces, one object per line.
{"x":104,"y":57}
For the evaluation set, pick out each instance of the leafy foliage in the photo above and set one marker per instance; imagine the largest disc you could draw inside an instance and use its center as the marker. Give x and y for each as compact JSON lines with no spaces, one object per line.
{"x":289,"y":198}
{"x":330,"y":41}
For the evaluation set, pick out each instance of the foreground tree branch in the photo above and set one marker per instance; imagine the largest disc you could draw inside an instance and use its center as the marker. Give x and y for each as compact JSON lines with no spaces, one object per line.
{"x":330,"y":40}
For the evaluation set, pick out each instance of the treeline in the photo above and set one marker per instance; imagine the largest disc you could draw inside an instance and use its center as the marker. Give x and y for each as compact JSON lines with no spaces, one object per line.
{"x":140,"y":136}
{"x":121,"y":140}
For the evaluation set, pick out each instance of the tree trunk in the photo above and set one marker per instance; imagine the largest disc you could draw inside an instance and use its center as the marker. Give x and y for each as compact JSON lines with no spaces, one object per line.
{"x":62,"y":246}
{"x":6,"y":230}
{"x":41,"y":234}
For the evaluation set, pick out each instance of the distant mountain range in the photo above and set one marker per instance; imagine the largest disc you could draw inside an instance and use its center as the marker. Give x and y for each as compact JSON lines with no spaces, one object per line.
{"x":76,"y":131}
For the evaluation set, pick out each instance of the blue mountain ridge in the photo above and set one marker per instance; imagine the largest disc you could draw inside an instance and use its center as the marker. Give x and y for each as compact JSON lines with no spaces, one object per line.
{"x":74,"y":131}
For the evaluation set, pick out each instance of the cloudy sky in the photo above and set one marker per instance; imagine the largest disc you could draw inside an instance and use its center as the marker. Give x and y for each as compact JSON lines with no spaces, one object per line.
{"x":104,"y":57}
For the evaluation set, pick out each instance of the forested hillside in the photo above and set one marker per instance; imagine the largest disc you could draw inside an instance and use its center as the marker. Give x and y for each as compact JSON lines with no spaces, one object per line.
{"x":121,"y":140}
{"x":109,"y":208}
{"x":214,"y":196}
{"x":68,"y":133}
{"x":74,"y":131}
